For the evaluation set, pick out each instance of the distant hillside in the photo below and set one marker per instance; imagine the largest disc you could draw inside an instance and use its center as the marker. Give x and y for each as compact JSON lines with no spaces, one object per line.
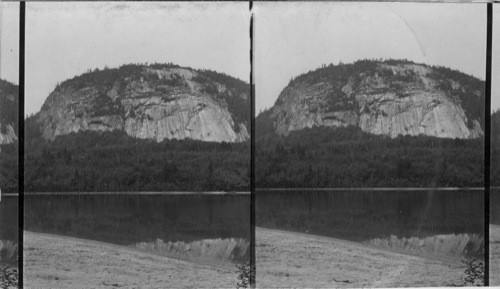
{"x":9,"y":109}
{"x":392,"y":97}
{"x":140,"y":127}
{"x":390,"y":123}
{"x":9,"y":129}
{"x":157,"y":101}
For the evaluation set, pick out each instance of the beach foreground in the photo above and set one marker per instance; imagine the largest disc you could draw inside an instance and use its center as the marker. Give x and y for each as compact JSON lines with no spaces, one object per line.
{"x":494,"y":255}
{"x":52,"y":261}
{"x":296,"y":260}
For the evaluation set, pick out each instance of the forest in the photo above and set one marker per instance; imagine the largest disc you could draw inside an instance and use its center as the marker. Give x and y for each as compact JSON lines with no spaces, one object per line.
{"x":326,"y":157}
{"x":9,"y":167}
{"x":495,"y":149}
{"x":113,"y":161}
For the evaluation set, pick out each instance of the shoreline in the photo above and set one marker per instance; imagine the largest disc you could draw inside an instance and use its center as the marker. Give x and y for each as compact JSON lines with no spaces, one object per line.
{"x":52,"y":261}
{"x":438,"y":257}
{"x":291,"y":259}
{"x":494,"y":255}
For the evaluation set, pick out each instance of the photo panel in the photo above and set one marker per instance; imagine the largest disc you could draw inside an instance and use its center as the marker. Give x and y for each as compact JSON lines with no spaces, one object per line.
{"x":376,"y":98}
{"x":494,"y":241}
{"x":369,"y":144}
{"x":9,"y":143}
{"x":137,"y":163}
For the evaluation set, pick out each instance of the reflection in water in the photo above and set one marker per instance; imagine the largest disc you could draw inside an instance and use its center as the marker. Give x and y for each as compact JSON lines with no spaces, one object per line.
{"x":447,"y":221}
{"x":145,"y":221}
{"x":495,"y":237}
{"x":9,"y":230}
{"x":233,"y":249}
{"x":452,"y":245}
{"x":495,"y":206}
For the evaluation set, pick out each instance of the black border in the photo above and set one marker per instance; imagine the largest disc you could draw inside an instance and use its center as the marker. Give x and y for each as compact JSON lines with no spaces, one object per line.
{"x":487,"y":144}
{"x":252,"y":159}
{"x":22,"y":15}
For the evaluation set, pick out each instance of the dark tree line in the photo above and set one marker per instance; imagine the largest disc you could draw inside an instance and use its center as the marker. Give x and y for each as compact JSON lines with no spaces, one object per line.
{"x":495,"y":149}
{"x":9,"y":168}
{"x":113,"y":161}
{"x":347,"y":157}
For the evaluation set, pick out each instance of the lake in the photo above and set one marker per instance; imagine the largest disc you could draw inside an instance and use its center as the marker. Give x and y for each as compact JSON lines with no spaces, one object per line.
{"x":495,"y":206}
{"x":431,"y":221}
{"x":168,"y":224}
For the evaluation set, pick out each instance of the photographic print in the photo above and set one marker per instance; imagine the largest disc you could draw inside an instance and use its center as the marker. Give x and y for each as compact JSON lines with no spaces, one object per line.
{"x":369,"y":144}
{"x":495,"y":155}
{"x":137,"y":150}
{"x":9,"y":132}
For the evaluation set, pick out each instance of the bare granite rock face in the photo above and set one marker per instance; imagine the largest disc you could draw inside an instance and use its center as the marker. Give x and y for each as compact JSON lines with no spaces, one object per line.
{"x":385,"y":98}
{"x":149,"y":102}
{"x":8,"y":112}
{"x":8,"y":135}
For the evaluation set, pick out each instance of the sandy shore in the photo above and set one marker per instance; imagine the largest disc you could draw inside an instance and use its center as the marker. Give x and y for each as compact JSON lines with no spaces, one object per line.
{"x":494,"y":255}
{"x":62,"y":262}
{"x":287,"y":259}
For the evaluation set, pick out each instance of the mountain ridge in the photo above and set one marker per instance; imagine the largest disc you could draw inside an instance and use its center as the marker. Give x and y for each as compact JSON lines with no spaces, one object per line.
{"x":149,"y":101}
{"x":391,"y":97}
{"x":9,"y":110}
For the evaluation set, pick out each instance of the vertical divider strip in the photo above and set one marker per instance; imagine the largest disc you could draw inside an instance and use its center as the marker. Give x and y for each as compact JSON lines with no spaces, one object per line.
{"x":252,"y":158}
{"x":487,"y":145}
{"x":20,"y":161}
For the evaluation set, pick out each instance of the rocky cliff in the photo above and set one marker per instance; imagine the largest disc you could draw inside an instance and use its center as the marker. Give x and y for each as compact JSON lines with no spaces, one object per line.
{"x":9,"y":109}
{"x":158,"y":101}
{"x":393,"y":97}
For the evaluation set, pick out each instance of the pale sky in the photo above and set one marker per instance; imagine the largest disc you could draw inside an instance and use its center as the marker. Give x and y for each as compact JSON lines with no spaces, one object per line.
{"x":293,"y":38}
{"x":495,"y":68}
{"x":66,"y":39}
{"x":9,"y":41}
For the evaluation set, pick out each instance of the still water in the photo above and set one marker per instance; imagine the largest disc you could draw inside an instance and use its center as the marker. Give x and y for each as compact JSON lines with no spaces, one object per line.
{"x":425,"y":220}
{"x":154,"y":222}
{"x":495,"y":206}
{"x":9,"y":229}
